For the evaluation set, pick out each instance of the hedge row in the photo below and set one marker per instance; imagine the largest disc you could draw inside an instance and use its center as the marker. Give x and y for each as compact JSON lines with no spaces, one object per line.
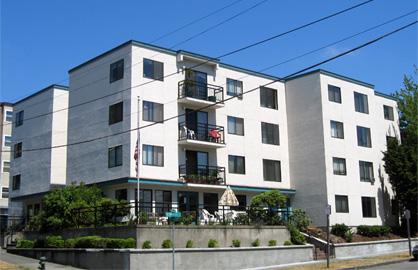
{"x":373,"y":231}
{"x":82,"y":242}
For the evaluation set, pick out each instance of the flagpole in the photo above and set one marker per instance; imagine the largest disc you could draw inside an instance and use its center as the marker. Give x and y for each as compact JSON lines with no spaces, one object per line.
{"x":137,"y":163}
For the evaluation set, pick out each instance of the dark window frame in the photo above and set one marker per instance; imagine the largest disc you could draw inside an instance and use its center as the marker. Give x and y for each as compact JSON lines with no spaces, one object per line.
{"x":236,"y":122}
{"x":237,"y":88}
{"x":16,"y":182}
{"x":340,"y":161}
{"x":156,"y":72}
{"x":339,"y":128}
{"x":116,"y":71}
{"x":270,"y":133}
{"x":366,"y":171}
{"x":368,"y":206}
{"x":235,"y":161}
{"x":19,"y":118}
{"x":116,"y":113}
{"x":115,"y":156}
{"x":151,"y":111}
{"x":268,"y":98}
{"x":121,"y":194}
{"x":268,"y":163}
{"x":341,"y":204}
{"x":361,"y":103}
{"x":334,"y":94}
{"x":150,"y":161}
{"x":364,"y":137}
{"x":388,"y":112}
{"x":17,"y":150}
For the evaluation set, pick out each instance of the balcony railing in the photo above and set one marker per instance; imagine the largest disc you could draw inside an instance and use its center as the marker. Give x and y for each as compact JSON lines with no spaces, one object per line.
{"x":202,"y":132}
{"x":203,"y":91}
{"x":208,"y":175}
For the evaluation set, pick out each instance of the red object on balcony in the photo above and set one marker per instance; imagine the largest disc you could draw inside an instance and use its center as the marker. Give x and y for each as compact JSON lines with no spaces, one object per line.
{"x":216,"y":136}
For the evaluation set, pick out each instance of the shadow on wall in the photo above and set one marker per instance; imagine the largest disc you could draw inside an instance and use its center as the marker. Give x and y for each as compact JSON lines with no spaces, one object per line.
{"x":385,"y":202}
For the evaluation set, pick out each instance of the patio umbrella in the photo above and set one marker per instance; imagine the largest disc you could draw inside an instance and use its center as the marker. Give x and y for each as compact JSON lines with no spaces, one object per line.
{"x":229,"y":198}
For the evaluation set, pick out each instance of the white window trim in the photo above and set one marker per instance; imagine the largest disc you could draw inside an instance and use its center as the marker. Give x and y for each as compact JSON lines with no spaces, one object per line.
{"x":1,"y":192}
{"x":4,"y":141}
{"x":2,"y":166}
{"x":5,"y":116}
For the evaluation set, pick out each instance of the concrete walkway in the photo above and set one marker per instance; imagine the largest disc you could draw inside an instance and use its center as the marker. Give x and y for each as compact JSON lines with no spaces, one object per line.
{"x":30,"y":263}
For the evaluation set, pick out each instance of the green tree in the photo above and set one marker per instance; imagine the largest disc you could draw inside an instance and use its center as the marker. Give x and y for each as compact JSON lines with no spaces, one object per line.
{"x":265,"y":205}
{"x":401,"y":158}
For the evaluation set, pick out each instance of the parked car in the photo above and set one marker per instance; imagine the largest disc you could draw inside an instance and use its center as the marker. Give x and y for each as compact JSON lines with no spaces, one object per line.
{"x":415,"y":252}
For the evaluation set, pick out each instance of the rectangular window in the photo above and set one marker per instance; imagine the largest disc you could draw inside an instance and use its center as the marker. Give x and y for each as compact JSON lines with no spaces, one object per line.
{"x":339,"y":166}
{"x":235,"y":125}
{"x":337,"y":130}
{"x":16,"y":182}
{"x":152,"y":111}
{"x":368,"y":205}
{"x":17,"y":150}
{"x":271,"y":170}
{"x":236,"y":164}
{"x":7,"y":141}
{"x":145,"y":199}
{"x":242,"y":199}
{"x":153,"y":70}
{"x":162,"y":201}
{"x":270,"y":133}
{"x":116,"y":113}
{"x":121,"y":194}
{"x":363,"y":137}
{"x":115,"y":156}
{"x":9,"y":116}
{"x":268,"y":98}
{"x":19,"y":118}
{"x":360,"y":102}
{"x":153,"y":155}
{"x":234,"y":88}
{"x":388,"y":112}
{"x":366,"y":171}
{"x":6,"y":166}
{"x":334,"y":94}
{"x":116,"y":71}
{"x":341,"y":204}
{"x":4,"y":192}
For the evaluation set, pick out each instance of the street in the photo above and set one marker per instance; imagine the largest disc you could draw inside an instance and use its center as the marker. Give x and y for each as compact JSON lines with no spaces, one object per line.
{"x":411,"y":265}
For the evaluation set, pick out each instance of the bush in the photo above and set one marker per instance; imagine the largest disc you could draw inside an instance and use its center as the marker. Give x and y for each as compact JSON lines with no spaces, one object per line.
{"x":54,"y":242}
{"x":236,"y":243}
{"x":39,"y":243}
{"x":300,"y":219}
{"x":69,"y":243}
{"x":256,"y":243}
{"x":212,"y":243}
{"x":295,"y":236}
{"x":25,"y":244}
{"x":340,"y":230}
{"x":272,"y":243}
{"x":146,"y":245}
{"x":189,"y":244}
{"x":288,"y":243}
{"x":85,"y":242}
{"x":99,"y":242}
{"x":349,"y":237}
{"x":167,"y":244}
{"x":120,"y":243}
{"x":373,"y":231}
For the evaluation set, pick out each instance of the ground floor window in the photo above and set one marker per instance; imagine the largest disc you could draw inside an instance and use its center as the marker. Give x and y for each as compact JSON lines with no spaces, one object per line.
{"x":369,"y":206}
{"x":210,"y":201}
{"x":242,"y":199}
{"x":121,"y":194}
{"x":145,"y":199}
{"x":162,"y":201}
{"x":341,"y":204}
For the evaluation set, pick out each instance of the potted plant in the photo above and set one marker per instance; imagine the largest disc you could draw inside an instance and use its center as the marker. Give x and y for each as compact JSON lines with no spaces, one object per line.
{"x":212,"y":98}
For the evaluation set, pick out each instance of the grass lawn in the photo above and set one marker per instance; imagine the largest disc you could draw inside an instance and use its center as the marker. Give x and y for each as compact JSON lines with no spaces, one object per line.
{"x":10,"y":266}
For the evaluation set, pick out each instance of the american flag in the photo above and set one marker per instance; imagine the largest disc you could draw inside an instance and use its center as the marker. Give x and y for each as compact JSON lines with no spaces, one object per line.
{"x":136,"y":158}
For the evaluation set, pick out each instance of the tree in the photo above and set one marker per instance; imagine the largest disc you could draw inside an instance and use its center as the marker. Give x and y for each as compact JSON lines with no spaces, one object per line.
{"x":401,"y":158}
{"x":272,"y":200}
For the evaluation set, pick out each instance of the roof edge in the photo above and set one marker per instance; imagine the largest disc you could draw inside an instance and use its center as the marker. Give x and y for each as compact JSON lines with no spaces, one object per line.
{"x":385,"y":95}
{"x":61,"y":87}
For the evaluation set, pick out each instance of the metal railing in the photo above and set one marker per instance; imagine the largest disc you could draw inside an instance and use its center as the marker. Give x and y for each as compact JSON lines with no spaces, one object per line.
{"x":199,"y":90}
{"x":202,"y":132}
{"x":15,"y":224}
{"x":208,"y":175}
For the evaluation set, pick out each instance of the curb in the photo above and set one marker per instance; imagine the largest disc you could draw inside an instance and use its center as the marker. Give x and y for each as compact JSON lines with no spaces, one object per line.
{"x":377,"y":264}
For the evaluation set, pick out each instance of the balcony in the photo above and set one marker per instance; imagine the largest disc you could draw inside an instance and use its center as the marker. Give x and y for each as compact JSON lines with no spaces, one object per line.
{"x":199,"y":94}
{"x":206,"y":175}
{"x":200,"y":134}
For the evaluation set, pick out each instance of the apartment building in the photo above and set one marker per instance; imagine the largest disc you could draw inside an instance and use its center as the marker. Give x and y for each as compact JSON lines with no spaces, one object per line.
{"x":38,"y":148}
{"x":205,"y":125}
{"x":336,"y":145}
{"x":6,"y":118}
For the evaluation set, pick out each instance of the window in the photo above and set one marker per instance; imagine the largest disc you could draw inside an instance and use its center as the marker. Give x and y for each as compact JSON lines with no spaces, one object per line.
{"x":153,"y":69}
{"x":339,"y":166}
{"x":16,"y":182}
{"x":366,"y":171}
{"x":17,"y":150}
{"x":368,"y":205}
{"x":334,"y":94}
{"x":337,"y":130}
{"x":363,"y":137}
{"x":7,"y":141}
{"x":271,"y":170}
{"x":162,"y":201}
{"x":268,"y":98}
{"x":360,"y":102}
{"x":152,"y":111}
{"x":19,"y":118}
{"x":153,"y":155}
{"x":145,"y":199}
{"x":233,"y":88}
{"x":115,"y":156}
{"x":121,"y":194}
{"x":116,"y":113}
{"x":116,"y":71}
{"x":9,"y":116}
{"x":235,"y":125}
{"x":341,"y":204}
{"x":6,"y":166}
{"x":242,"y":199}
{"x":236,"y":164}
{"x":388,"y":112}
{"x":270,"y":133}
{"x":210,"y":202}
{"x":4,"y":192}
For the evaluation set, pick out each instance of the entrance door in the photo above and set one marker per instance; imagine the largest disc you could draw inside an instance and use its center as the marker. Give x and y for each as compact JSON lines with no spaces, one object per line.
{"x":188,"y":201}
{"x":196,"y":162}
{"x":198,"y":122}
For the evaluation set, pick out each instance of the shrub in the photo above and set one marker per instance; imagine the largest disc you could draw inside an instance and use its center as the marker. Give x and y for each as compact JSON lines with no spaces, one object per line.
{"x":212,"y":243}
{"x":300,"y":219}
{"x":25,"y":244}
{"x":167,"y":243}
{"x":373,"y":231}
{"x":272,"y":243}
{"x":85,"y":242}
{"x":256,"y":243}
{"x":99,"y":242}
{"x":295,"y":236}
{"x":146,"y":245}
{"x":54,"y":242}
{"x":189,"y":244}
{"x":340,"y":230}
{"x":349,"y":237}
{"x":236,"y":243}
{"x":120,"y":243}
{"x":69,"y":243}
{"x":39,"y":243}
{"x":288,"y":243}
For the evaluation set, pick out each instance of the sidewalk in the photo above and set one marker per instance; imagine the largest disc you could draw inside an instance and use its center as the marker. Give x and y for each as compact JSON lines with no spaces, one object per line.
{"x":29,"y":263}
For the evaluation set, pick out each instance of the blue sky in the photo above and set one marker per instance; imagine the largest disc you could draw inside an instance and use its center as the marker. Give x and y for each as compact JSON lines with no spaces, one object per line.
{"x":42,"y":40}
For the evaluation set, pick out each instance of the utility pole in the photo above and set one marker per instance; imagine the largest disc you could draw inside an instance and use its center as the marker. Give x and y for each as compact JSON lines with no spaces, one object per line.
{"x":137,"y":162}
{"x":328,"y":212}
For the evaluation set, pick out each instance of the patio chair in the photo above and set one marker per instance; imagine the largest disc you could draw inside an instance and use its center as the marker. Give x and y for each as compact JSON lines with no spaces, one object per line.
{"x":189,"y":133}
{"x":206,"y":217}
{"x":215,"y":136}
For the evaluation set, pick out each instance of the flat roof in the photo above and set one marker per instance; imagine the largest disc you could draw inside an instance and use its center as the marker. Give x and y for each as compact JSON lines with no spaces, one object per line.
{"x":41,"y":91}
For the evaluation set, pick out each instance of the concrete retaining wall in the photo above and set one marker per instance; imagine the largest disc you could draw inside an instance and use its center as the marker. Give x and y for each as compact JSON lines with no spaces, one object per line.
{"x":214,"y":258}
{"x":362,"y":249}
